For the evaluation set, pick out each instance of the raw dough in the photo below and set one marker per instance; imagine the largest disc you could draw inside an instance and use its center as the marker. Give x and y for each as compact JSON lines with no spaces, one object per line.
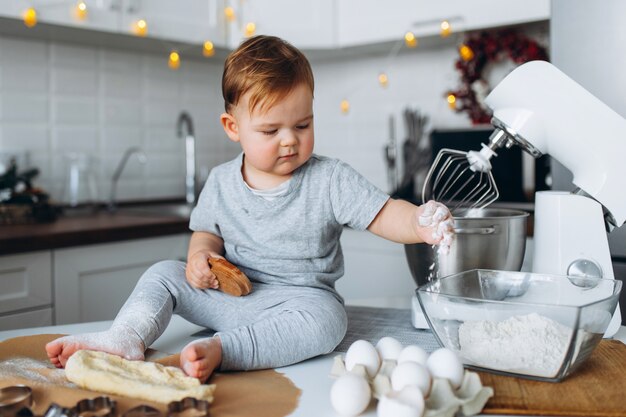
{"x":103,"y":372}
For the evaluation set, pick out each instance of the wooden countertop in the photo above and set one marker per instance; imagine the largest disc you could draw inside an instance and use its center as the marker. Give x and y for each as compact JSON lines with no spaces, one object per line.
{"x":86,"y":229}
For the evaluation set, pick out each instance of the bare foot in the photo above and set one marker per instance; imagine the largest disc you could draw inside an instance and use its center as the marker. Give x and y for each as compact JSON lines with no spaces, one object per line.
{"x":120,"y":341}
{"x":200,"y":358}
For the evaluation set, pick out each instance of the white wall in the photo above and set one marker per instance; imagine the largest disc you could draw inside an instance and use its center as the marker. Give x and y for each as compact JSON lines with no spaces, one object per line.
{"x":57,"y":98}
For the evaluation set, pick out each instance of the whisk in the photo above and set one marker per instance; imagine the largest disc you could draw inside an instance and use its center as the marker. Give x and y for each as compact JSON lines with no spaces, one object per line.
{"x":461,"y":179}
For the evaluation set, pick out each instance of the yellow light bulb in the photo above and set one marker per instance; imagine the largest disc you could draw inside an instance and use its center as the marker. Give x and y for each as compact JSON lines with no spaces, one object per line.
{"x":451,"y":101}
{"x":140,"y":27}
{"x":229,"y":12}
{"x":446,"y":29}
{"x":410,"y":40}
{"x":345,"y":106}
{"x":466,"y":53}
{"x":250,"y":29}
{"x":80,"y":11}
{"x":383,"y":80}
{"x":208,"y":49}
{"x":174,"y":60}
{"x":30,"y":17}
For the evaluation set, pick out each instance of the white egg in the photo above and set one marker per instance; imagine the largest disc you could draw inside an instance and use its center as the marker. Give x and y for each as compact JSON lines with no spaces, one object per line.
{"x":444,"y":363}
{"x":406,"y":403}
{"x":363,"y":353}
{"x":413,"y":353}
{"x":350,"y":395}
{"x":411,"y":373}
{"x":389,"y":348}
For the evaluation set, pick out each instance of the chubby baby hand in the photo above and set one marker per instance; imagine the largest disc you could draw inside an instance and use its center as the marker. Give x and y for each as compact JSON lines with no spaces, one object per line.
{"x":436,"y":225}
{"x":198,"y":272}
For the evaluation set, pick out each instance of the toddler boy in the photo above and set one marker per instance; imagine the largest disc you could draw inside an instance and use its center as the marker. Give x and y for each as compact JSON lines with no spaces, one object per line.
{"x":277,"y":212}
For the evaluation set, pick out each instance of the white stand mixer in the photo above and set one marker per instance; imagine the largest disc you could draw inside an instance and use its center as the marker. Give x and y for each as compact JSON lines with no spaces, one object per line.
{"x":544,"y":111}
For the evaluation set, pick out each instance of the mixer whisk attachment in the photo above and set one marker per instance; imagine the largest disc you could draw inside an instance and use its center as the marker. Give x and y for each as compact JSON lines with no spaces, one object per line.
{"x":461,"y":179}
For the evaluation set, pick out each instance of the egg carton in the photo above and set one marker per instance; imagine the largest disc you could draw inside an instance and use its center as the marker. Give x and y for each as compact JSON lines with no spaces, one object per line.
{"x":443,"y":400}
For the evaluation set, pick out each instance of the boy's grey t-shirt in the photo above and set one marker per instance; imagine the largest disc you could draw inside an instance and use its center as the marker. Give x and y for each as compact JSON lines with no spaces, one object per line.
{"x":293,"y":239}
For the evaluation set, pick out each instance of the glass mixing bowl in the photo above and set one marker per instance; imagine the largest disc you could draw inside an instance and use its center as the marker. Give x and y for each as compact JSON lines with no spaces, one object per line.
{"x":520,"y":324}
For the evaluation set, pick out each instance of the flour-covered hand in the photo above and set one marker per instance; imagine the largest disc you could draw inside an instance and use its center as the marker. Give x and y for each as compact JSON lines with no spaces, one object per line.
{"x":435,"y":225}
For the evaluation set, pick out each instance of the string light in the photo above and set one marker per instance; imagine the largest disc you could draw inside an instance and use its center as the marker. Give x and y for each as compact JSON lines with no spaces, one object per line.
{"x":466,"y":53}
{"x":383,"y":80}
{"x":250,"y":29}
{"x":208,"y":49}
{"x":446,"y":29}
{"x":345,"y":106}
{"x":174,"y":60}
{"x":30,"y":17}
{"x":80,"y":11}
{"x":229,"y":12}
{"x":451,"y":101}
{"x":140,"y":27}
{"x":410,"y":40}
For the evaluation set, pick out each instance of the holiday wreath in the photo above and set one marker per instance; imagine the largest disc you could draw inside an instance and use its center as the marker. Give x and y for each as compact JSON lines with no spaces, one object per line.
{"x":477,"y":52}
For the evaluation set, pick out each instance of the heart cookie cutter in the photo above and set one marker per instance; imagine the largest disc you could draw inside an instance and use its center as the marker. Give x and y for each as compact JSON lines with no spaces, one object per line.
{"x":143,"y":411}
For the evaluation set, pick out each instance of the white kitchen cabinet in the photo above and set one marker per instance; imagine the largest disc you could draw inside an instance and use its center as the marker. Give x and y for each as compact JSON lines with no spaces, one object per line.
{"x":91,"y":283}
{"x":189,"y":21}
{"x":307,"y":24}
{"x":373,"y":21}
{"x":376,"y":271}
{"x":25,"y":290}
{"x":102,"y":15}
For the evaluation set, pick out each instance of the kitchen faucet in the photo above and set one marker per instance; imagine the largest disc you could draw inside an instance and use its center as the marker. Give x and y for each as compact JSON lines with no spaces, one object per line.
{"x":190,"y":155}
{"x":111,"y":206}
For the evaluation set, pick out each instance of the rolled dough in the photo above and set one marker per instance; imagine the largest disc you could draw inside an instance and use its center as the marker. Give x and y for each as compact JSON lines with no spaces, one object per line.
{"x":111,"y":374}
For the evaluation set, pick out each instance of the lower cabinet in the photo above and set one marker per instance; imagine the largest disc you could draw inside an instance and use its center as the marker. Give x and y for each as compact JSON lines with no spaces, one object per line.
{"x":91,"y":283}
{"x":25,"y":290}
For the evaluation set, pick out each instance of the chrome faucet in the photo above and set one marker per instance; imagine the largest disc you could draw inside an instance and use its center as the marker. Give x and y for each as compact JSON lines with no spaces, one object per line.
{"x":112,"y":205}
{"x":190,"y":156}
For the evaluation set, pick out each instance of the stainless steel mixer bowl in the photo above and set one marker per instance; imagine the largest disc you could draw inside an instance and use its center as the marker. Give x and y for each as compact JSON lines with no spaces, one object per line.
{"x":485,"y":239}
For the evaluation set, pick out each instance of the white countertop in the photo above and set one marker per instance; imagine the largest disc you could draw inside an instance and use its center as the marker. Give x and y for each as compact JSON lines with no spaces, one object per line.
{"x":311,"y":376}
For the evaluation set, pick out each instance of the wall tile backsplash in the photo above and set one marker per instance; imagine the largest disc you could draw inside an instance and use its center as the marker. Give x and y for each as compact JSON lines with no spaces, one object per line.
{"x":58,"y":98}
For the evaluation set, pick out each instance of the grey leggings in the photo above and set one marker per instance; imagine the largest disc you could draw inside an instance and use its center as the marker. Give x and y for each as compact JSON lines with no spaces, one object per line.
{"x":272,"y":326}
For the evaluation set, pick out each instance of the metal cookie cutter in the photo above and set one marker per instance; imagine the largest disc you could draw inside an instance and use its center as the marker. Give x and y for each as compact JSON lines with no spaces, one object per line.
{"x":143,"y":411}
{"x":15,"y":398}
{"x":176,"y":408}
{"x":99,"y":406}
{"x":56,"y":410}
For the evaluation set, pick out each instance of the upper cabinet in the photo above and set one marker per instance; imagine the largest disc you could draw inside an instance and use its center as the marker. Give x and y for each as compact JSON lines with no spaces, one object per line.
{"x":308,"y":24}
{"x":189,"y":21}
{"x":373,"y":21}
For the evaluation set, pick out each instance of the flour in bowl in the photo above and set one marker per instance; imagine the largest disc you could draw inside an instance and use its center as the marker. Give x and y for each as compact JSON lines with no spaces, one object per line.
{"x":529,"y":344}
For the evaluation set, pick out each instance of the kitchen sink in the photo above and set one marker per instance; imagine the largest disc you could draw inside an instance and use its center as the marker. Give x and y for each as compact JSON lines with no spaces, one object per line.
{"x":181,"y":210}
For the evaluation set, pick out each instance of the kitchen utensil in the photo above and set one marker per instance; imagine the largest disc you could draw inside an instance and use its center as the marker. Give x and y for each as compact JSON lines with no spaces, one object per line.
{"x":463,"y":179}
{"x":485,"y":239}
{"x":143,"y":411}
{"x":391,"y":156}
{"x":537,"y":326}
{"x":179,"y":408}
{"x":101,"y":406}
{"x":14,"y":398}
{"x":542,"y":110}
{"x":80,"y":180}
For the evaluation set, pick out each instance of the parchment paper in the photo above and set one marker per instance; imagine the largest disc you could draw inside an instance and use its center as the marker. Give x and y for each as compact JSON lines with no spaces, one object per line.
{"x":23,"y":360}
